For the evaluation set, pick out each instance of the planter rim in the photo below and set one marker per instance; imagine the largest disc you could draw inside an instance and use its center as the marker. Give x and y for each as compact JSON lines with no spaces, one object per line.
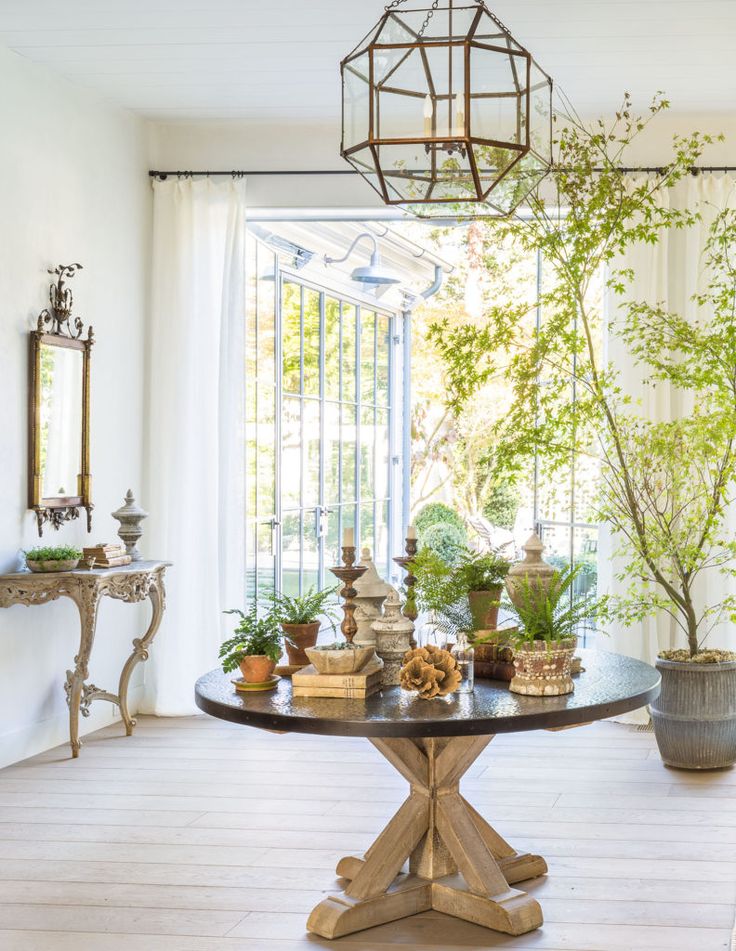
{"x":287,"y":624}
{"x":567,"y":643}
{"x":491,"y":590}
{"x":662,"y":663}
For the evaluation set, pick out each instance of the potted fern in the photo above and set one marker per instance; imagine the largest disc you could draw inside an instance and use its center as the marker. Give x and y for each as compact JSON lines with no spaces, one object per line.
{"x":545,"y":638}
{"x":299,"y":617}
{"x":255,"y":646}
{"x":482,"y":576}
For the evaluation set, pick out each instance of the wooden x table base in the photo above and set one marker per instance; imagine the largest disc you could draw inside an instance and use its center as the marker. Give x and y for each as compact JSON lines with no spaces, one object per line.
{"x":458,"y":864}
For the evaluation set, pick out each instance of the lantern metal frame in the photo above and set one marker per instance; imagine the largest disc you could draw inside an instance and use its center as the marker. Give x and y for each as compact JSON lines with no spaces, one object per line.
{"x":460,"y":141}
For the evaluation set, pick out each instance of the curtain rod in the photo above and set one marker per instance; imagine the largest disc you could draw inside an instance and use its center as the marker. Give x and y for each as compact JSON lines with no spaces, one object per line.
{"x":155,"y":173}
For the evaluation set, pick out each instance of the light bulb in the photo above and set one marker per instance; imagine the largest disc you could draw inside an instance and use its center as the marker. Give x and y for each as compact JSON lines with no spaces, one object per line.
{"x":428,"y":114}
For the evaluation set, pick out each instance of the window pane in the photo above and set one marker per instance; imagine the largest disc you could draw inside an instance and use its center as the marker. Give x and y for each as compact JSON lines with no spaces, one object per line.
{"x":250,"y":560}
{"x":310,"y":552}
{"x":367,"y":449}
{"x":382,"y":454}
{"x":251,"y":468}
{"x":311,"y":447}
{"x":333,"y":555}
{"x":367,"y":356}
{"x":251,"y":284}
{"x":348,"y":486}
{"x":332,"y":453}
{"x":291,"y":453}
{"x":291,"y":336}
{"x":382,"y":555}
{"x":383,"y":343}
{"x":311,"y":343}
{"x":367,"y":527}
{"x":332,"y":348}
{"x":265,"y":558}
{"x":266,"y":453}
{"x":266,"y":264}
{"x":290,"y":557}
{"x":349,"y":332}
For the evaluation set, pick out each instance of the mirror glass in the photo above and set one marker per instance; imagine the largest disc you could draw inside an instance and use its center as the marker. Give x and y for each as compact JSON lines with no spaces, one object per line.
{"x":61,"y":420}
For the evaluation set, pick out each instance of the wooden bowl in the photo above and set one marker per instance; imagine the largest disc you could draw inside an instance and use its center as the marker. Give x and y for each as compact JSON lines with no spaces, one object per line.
{"x":348,"y":661}
{"x":40,"y":566}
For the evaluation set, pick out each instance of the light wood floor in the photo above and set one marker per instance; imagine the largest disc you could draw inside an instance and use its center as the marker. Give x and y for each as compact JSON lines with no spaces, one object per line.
{"x":194,"y":835}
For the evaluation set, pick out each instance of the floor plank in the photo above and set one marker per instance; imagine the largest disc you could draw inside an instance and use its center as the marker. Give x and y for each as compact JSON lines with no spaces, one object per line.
{"x":197,"y":835}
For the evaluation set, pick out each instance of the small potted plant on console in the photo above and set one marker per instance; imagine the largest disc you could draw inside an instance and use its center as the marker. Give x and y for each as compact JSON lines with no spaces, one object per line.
{"x":255,"y":647}
{"x":56,"y":558}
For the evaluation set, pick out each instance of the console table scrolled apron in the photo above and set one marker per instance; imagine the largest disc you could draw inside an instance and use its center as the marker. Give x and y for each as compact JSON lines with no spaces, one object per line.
{"x":132,"y":583}
{"x":458,"y":863}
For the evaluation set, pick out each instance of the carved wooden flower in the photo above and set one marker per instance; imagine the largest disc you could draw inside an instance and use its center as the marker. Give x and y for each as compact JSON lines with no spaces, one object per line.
{"x":430,"y":672}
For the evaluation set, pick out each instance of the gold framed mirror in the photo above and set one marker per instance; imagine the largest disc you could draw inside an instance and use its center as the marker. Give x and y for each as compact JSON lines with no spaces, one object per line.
{"x":59,"y":410}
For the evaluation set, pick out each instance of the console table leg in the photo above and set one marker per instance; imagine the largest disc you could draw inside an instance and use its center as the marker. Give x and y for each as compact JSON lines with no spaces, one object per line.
{"x":87,"y":599}
{"x":157,"y":596}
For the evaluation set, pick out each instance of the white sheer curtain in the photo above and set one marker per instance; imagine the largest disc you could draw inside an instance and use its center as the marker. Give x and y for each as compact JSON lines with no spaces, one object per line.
{"x":669,"y":271}
{"x":195,"y":427}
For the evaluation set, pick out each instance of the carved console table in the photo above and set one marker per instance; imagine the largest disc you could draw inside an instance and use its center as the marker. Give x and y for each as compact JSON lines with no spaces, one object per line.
{"x":133,"y":583}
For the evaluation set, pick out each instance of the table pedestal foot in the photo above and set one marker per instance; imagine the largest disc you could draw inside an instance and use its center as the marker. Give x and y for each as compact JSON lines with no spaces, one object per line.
{"x":513,"y":913}
{"x":442,"y":835}
{"x":340,"y":915}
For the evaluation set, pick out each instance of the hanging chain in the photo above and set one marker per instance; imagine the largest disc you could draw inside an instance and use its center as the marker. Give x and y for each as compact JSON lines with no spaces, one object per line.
{"x":430,"y":13}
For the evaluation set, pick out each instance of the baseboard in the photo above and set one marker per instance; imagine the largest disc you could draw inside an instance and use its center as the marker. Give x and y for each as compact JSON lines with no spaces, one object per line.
{"x":45,"y":735}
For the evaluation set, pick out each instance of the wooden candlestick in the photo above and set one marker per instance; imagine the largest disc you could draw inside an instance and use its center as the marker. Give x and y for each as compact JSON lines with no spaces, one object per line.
{"x":348,"y":573}
{"x":410,"y":608}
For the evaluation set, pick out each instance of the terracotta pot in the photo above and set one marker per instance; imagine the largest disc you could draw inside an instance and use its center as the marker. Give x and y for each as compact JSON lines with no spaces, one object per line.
{"x":484,"y":607}
{"x":299,"y":636}
{"x":694,"y":716}
{"x":257,"y":668}
{"x":542,"y":669}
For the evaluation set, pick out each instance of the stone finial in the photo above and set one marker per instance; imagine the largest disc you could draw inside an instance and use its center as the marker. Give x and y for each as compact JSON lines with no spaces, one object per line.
{"x":130,"y":515}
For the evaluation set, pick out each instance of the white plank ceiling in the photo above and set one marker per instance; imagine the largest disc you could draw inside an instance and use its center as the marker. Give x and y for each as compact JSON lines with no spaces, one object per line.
{"x":278,"y":59}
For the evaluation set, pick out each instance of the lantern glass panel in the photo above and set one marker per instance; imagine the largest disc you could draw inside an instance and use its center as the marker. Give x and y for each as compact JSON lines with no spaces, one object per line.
{"x":356,"y":98}
{"x":442,"y":25}
{"x":362,"y":161}
{"x":395,"y":30}
{"x":406,"y":171}
{"x":540,"y":114}
{"x":498,"y":99}
{"x":492,"y":162}
{"x":488,"y":31}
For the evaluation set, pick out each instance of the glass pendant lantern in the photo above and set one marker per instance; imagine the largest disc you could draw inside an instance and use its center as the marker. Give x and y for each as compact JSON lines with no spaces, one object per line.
{"x":445,"y":112}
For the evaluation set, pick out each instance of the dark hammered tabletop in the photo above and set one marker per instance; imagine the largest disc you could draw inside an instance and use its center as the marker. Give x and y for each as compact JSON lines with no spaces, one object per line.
{"x":611,"y":684}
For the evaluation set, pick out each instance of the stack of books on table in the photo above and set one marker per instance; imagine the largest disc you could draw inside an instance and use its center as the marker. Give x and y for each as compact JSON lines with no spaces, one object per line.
{"x":308,"y":682}
{"x":107,"y":556}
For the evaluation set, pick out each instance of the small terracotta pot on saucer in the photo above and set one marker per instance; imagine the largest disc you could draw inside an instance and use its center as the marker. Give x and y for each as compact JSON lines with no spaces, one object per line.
{"x":257,"y":668}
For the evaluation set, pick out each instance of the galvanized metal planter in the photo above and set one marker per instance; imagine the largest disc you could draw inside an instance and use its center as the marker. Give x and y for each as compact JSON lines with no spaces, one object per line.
{"x":695,"y":714}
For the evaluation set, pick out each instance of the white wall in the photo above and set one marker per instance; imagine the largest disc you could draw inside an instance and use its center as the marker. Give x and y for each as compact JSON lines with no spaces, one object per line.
{"x":242,"y":145}
{"x":72,"y":188}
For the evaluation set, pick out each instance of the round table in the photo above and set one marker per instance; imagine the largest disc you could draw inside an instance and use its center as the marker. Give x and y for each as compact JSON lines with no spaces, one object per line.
{"x":458,"y":863}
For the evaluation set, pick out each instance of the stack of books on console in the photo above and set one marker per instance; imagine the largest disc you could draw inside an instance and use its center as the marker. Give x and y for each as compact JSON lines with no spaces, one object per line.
{"x":107,"y":556}
{"x":308,"y":682}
